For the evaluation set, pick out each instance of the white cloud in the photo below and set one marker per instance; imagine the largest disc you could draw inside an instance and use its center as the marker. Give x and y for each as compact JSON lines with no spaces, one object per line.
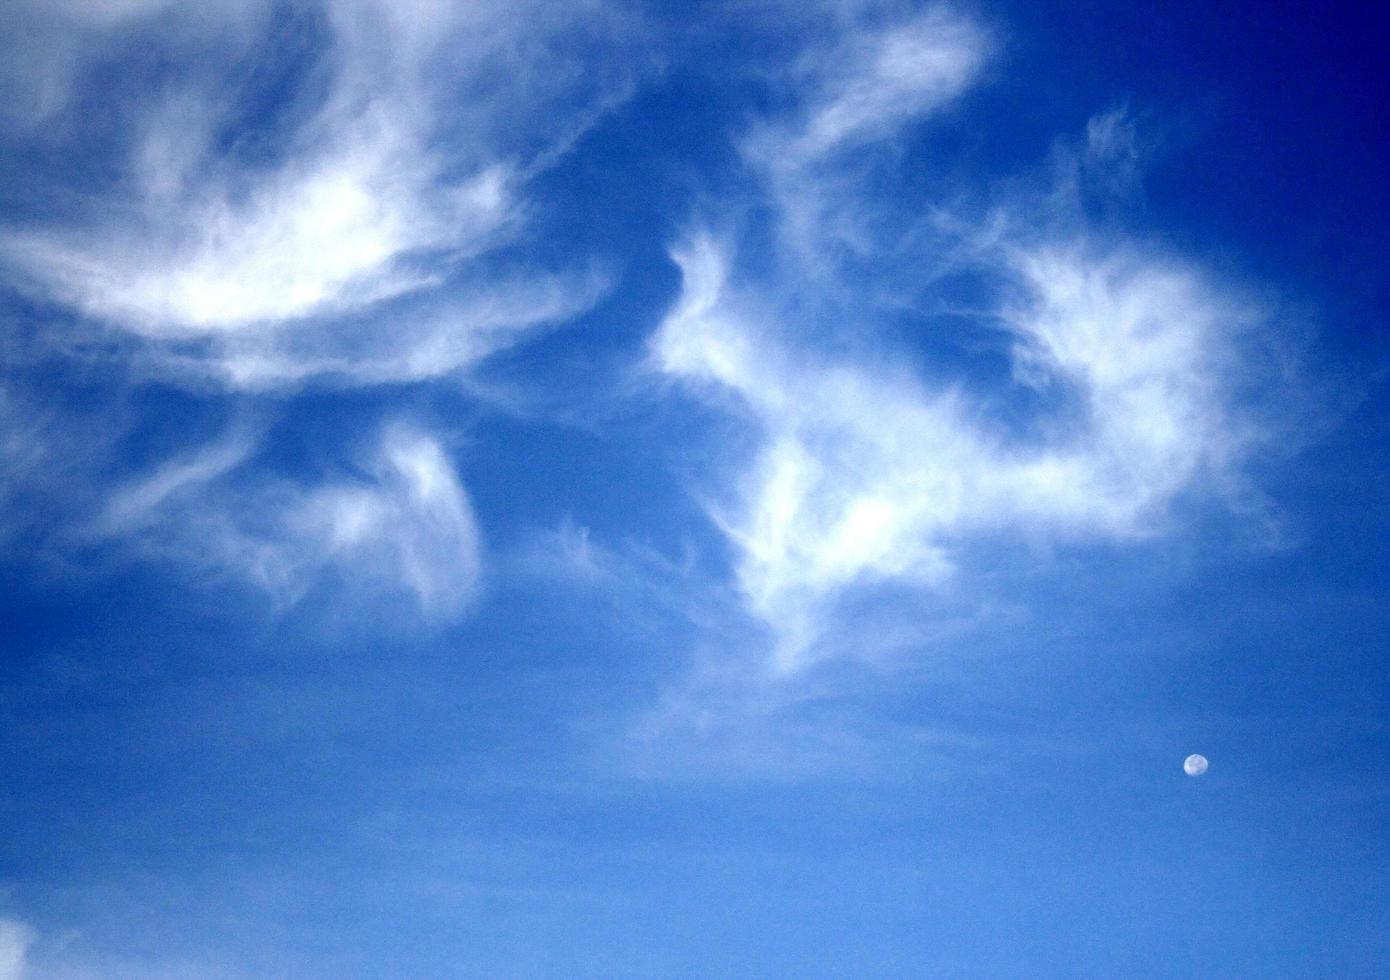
{"x":139,"y":503}
{"x":331,"y":232}
{"x":402,"y":526}
{"x":408,"y":343}
{"x":858,"y":92}
{"x":875,"y":81}
{"x":416,"y":519}
{"x":866,"y":473}
{"x":412,"y":161}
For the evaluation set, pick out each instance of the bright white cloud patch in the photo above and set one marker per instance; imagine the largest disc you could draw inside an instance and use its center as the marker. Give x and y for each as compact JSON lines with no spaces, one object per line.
{"x":402,"y":525}
{"x":399,"y":157}
{"x":868,"y":474}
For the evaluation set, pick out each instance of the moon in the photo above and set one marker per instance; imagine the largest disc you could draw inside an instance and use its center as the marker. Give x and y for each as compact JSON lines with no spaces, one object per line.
{"x":1194,"y":765}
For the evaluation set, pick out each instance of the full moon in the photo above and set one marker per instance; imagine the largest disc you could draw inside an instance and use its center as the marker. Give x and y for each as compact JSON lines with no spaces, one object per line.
{"x":1194,"y":765}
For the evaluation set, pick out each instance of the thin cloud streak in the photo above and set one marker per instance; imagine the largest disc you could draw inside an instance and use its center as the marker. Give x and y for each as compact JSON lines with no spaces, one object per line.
{"x":417,"y":341}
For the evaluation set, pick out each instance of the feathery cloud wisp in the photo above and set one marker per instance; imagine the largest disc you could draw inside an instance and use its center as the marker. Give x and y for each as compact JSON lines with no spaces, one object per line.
{"x":868,"y":474}
{"x":398,"y":159}
{"x":405,"y":526}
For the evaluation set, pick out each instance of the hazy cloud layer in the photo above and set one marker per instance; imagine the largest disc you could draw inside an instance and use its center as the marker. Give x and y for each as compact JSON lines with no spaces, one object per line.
{"x":15,"y":940}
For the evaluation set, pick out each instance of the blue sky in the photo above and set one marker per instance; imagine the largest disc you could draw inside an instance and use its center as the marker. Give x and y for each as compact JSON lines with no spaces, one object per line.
{"x":704,"y":490}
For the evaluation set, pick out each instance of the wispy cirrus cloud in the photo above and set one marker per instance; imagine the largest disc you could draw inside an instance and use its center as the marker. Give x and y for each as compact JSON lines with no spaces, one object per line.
{"x":249,"y":197}
{"x":872,"y":81}
{"x":858,"y":91}
{"x":253,"y":223}
{"x":415,"y":340}
{"x":400,"y":524}
{"x":871,"y":472}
